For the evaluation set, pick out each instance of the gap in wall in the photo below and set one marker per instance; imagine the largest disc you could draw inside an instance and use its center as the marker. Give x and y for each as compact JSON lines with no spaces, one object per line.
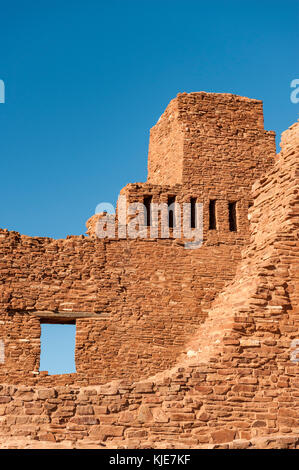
{"x":58,"y":348}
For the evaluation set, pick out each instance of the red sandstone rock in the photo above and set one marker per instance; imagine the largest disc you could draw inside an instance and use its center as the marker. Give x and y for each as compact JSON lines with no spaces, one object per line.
{"x":187,"y":329}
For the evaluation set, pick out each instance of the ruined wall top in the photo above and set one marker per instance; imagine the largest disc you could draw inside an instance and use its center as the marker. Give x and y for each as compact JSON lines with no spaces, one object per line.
{"x":290,"y":138}
{"x":210,"y":139}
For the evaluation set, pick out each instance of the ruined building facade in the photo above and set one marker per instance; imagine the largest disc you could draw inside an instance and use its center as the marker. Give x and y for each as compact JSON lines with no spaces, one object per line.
{"x":174,"y":347}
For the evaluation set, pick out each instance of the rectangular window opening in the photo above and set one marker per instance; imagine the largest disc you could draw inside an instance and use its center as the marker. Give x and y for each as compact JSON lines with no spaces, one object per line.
{"x":232,"y":216}
{"x":171,"y":215}
{"x":212,"y":214}
{"x":58,"y":347}
{"x":193,"y":212}
{"x":147,"y":216}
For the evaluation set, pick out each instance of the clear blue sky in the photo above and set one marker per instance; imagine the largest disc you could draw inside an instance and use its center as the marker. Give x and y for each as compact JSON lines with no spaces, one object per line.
{"x":85,"y":81}
{"x":58,"y":349}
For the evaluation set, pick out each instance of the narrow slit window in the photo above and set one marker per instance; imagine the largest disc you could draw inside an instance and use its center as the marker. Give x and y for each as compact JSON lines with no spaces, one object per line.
{"x":232,"y":214}
{"x":58,"y":348}
{"x":147,"y":201}
{"x":193,"y":212}
{"x":2,"y":352}
{"x":212,"y":214}
{"x":171,"y":215}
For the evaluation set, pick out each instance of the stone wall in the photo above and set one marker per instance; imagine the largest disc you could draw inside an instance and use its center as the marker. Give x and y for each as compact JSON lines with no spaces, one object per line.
{"x":132,"y":315}
{"x":212,"y":141}
{"x":135,"y":302}
{"x":235,"y":386}
{"x":231,"y":377}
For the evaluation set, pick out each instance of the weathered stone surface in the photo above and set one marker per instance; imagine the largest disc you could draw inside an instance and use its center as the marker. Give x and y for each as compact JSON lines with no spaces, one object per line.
{"x":197,"y":348}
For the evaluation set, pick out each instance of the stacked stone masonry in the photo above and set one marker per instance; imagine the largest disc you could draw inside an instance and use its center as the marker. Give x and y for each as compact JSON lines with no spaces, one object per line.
{"x":174,"y":347}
